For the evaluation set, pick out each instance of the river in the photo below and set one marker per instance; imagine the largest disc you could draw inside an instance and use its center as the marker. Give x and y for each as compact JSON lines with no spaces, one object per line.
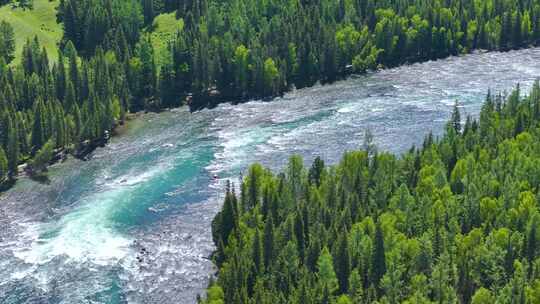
{"x":79,"y":237}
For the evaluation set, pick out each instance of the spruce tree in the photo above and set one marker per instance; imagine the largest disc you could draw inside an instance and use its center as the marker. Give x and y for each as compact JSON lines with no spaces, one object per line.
{"x":43,"y":157}
{"x":38,"y":132}
{"x":7,"y":41}
{"x":531,"y":241}
{"x":343,"y":262}
{"x":268,"y":243}
{"x":13,"y":148}
{"x":455,"y":120}
{"x":258,"y":256}
{"x":325,"y":270}
{"x":228,"y":217}
{"x":3,"y":166}
{"x":148,"y":11}
{"x":378,"y":265}
{"x":74,"y":76}
{"x":316,"y":171}
{"x":299,"y":234}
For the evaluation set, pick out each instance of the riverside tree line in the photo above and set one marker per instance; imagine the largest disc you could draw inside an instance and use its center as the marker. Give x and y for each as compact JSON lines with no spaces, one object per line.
{"x":238,"y":49}
{"x":226,"y":51}
{"x":455,"y":220}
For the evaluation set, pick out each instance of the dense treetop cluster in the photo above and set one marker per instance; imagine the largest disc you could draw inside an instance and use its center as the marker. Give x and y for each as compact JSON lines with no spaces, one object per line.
{"x":453,"y":221}
{"x":309,"y":41}
{"x":251,"y":49}
{"x":226,"y":51}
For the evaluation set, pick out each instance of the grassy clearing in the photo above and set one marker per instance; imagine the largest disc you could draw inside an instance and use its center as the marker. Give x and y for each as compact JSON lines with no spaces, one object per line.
{"x":163,"y":30}
{"x":40,"y":21}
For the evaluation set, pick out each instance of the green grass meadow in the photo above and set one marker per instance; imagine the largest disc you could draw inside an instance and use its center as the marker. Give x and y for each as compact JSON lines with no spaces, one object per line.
{"x":39,"y":21}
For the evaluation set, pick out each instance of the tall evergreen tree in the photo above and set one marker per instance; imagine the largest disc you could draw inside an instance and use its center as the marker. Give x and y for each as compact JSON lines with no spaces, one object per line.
{"x":456,"y":118}
{"x":343,"y":262}
{"x":268,"y":243}
{"x":7,"y":41}
{"x":379,"y":257}
{"x":3,"y":166}
{"x":326,"y":273}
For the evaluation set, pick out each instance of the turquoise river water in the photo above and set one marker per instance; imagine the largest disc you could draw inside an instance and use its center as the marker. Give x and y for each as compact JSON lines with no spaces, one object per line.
{"x":78,"y":238}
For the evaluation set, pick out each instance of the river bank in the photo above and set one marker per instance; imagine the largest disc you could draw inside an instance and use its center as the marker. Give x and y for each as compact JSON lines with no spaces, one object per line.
{"x":214,"y":100}
{"x":73,"y":239}
{"x":63,"y":154}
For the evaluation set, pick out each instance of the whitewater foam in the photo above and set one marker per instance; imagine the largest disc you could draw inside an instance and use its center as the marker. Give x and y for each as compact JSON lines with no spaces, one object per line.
{"x":86,"y":234}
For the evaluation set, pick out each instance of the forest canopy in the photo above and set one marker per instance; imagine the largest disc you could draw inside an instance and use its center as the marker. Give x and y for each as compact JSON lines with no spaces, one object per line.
{"x":455,"y":220}
{"x":107,"y":65}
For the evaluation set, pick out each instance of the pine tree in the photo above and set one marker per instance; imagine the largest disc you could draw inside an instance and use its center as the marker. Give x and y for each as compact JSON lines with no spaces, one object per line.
{"x":299,"y":234}
{"x":506,"y":30}
{"x":517,"y":30}
{"x":5,"y":123}
{"x":38,"y":128}
{"x":254,"y":177}
{"x":325,"y":269}
{"x":60,"y":78}
{"x":43,"y":157}
{"x":24,"y":145}
{"x":13,"y":148}
{"x":169,"y":97}
{"x":3,"y":166}
{"x":378,"y":257}
{"x":258,"y":257}
{"x":455,"y":120}
{"x":7,"y":41}
{"x":326,"y":295}
{"x":70,"y":99}
{"x":148,"y":77}
{"x":343,"y":262}
{"x":228,"y":217}
{"x":316,"y":171}
{"x":148,"y":11}
{"x":28,"y":63}
{"x":77,"y":119}
{"x":268,"y":243}
{"x":74,"y":76}
{"x":531,"y":241}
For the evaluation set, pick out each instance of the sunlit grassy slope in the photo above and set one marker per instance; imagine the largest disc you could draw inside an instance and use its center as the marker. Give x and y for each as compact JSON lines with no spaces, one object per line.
{"x":164,"y":29}
{"x":40,"y":21}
